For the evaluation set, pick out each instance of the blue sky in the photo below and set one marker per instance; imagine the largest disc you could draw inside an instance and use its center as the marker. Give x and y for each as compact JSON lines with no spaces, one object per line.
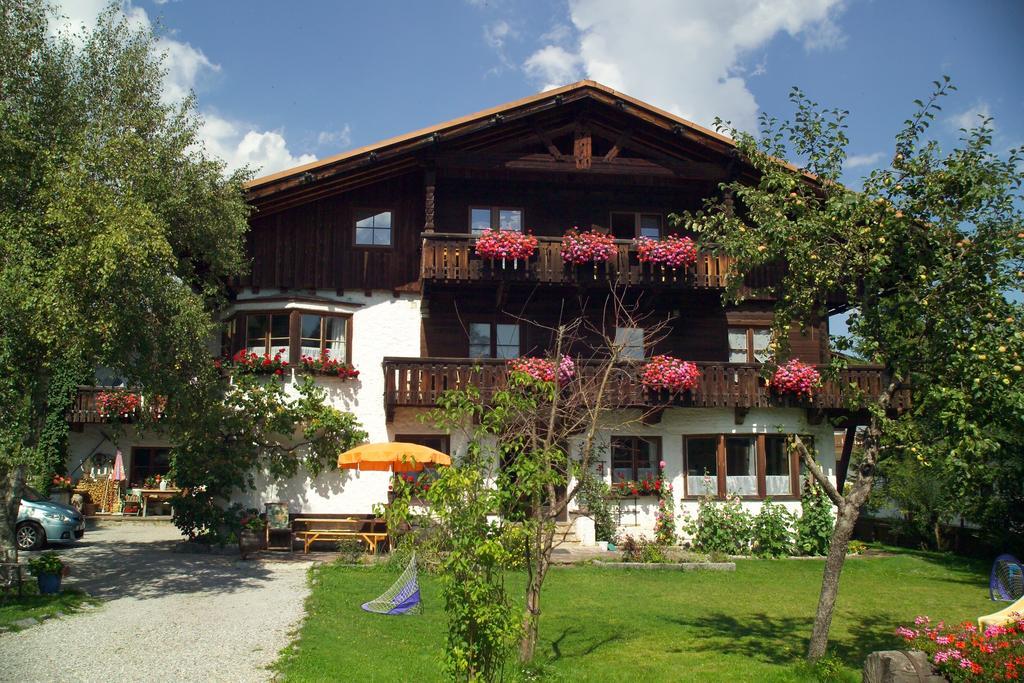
{"x":281,"y":82}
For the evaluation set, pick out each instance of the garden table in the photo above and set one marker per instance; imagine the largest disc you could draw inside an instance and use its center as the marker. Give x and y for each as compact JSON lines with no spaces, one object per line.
{"x":155,"y":494}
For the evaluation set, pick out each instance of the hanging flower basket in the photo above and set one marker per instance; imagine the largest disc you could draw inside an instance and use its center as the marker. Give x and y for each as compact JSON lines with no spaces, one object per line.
{"x":580,"y":248}
{"x":506,"y":245}
{"x":797,"y":378}
{"x":543,"y":369}
{"x":668,"y":372}
{"x":117,"y":403}
{"x":673,"y":251}
{"x":325,"y":365}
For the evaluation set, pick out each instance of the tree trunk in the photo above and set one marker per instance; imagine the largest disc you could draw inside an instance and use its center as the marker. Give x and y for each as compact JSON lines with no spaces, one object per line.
{"x":845,"y":521}
{"x":12,"y":479}
{"x":531,"y":618}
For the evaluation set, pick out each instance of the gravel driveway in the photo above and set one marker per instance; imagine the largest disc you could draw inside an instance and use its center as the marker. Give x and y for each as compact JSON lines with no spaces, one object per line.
{"x":165,"y":616}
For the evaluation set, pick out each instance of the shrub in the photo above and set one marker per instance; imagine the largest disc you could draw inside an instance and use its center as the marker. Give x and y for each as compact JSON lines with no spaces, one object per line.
{"x":350,"y":550}
{"x":47,"y":563}
{"x":814,"y":528}
{"x":772,"y":531}
{"x":721,"y":526}
{"x":639,"y":549}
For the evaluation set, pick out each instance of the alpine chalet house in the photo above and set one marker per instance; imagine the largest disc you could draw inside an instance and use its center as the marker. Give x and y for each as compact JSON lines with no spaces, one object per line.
{"x":371,"y":255}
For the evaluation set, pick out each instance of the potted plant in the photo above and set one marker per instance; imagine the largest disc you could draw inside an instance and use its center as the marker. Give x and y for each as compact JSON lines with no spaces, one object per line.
{"x":251,"y":533}
{"x":48,"y":569}
{"x":796,"y":378}
{"x":60,"y":489}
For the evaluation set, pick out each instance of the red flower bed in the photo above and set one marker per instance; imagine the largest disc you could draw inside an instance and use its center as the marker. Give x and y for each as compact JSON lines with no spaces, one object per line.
{"x":117,"y":403}
{"x":544,"y":370}
{"x":963,"y":653}
{"x":506,"y":244}
{"x":667,"y":372}
{"x":258,"y":364}
{"x":796,"y":377}
{"x":673,"y":251}
{"x":325,"y":365}
{"x":587,"y":247}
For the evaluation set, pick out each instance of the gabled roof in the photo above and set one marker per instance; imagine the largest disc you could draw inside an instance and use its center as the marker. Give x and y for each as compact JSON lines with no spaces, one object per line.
{"x":327,"y":167}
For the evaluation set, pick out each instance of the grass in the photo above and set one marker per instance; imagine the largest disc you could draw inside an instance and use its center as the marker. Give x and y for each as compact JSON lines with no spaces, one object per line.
{"x":32,"y":604}
{"x":630,"y":625}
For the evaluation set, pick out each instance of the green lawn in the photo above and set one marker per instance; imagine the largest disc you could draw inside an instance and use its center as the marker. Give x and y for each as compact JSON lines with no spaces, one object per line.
{"x":32,"y":604}
{"x":642,"y":625}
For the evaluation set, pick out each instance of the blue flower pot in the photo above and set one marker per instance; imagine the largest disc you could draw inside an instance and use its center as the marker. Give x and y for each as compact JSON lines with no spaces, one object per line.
{"x":49,"y":584}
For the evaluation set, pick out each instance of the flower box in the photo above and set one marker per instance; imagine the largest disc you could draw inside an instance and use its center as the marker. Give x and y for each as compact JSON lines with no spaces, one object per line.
{"x":581,"y":248}
{"x":506,"y":245}
{"x":667,"y":373}
{"x":117,"y":403}
{"x":325,"y":365}
{"x":258,"y":364}
{"x":673,"y":251}
{"x":543,"y":370}
{"x":796,"y":378}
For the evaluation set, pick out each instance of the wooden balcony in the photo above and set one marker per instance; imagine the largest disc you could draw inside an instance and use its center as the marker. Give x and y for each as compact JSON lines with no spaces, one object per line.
{"x":418,"y":382}
{"x":451,"y":258}
{"x":85,"y":409}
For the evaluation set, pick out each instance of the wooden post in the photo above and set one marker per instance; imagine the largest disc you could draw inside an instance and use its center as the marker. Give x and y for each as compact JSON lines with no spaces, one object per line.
{"x":429,"y":187}
{"x":582,"y":149}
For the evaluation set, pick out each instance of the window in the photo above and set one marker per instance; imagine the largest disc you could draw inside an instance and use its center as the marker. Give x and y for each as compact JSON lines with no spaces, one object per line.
{"x":267,"y":332}
{"x":749,"y":344}
{"x":631,"y":339}
{"x":702,"y":465}
{"x":777,"y":479}
{"x":741,"y":465}
{"x":149,"y":462}
{"x":439,"y":442}
{"x":493,"y":340}
{"x":494,"y":218}
{"x":273,"y":332}
{"x":635,"y":458}
{"x":319,"y":333}
{"x":628,"y":225}
{"x":373,"y":229}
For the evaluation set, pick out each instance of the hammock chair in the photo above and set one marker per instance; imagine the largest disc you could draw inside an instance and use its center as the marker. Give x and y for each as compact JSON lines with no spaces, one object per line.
{"x":402,"y":598}
{"x":1007,"y":580}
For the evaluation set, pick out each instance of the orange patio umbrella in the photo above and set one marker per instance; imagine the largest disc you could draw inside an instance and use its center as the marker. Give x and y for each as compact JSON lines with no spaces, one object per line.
{"x":393,"y":455}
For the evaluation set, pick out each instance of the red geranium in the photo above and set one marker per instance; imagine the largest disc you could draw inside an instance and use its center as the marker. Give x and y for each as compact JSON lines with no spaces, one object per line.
{"x":325,"y":365}
{"x":796,"y":377}
{"x":117,"y":403}
{"x":668,"y":372}
{"x":673,"y":251}
{"x":260,"y":364}
{"x":587,"y":247}
{"x":503,"y":244}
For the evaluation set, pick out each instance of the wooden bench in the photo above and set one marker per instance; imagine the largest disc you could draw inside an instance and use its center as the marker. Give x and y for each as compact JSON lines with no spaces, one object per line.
{"x":339,"y":528}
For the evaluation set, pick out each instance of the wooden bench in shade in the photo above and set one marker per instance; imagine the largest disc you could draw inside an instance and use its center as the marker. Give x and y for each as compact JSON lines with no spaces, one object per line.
{"x":313,"y":529}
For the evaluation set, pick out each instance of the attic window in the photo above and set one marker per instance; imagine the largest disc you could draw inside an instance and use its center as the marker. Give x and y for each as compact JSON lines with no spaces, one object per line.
{"x":373,"y":228}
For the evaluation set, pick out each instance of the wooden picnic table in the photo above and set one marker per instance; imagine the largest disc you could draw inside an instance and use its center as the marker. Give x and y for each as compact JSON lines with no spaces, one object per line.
{"x":155,"y":494}
{"x":338,"y":528}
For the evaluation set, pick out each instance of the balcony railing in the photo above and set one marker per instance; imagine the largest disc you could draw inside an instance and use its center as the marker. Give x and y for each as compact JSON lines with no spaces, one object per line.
{"x":451,"y":258}
{"x":85,"y":409}
{"x":419,"y":382}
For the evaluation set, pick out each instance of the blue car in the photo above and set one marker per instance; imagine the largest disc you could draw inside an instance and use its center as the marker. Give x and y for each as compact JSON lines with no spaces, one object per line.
{"x":42,"y":521}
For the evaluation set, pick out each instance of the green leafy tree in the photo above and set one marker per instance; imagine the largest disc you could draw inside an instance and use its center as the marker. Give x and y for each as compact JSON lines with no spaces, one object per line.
{"x":927,"y":257}
{"x":249,"y":426}
{"x":117,"y":233}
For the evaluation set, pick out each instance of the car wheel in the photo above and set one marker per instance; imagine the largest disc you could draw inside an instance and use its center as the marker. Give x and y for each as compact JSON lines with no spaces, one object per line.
{"x":30,"y":536}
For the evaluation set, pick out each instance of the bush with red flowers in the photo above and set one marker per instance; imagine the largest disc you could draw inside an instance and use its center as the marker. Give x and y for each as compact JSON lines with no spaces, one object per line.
{"x":965,"y":653}
{"x":543,"y":369}
{"x":797,"y":378}
{"x":260,"y":364}
{"x":579,"y":248}
{"x":325,"y":365}
{"x":117,"y":403}
{"x":673,"y":251}
{"x":506,"y":244}
{"x":668,"y":372}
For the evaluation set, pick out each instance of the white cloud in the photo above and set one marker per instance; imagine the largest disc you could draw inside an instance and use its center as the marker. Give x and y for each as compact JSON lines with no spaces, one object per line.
{"x":240,"y":144}
{"x":337,"y":138}
{"x":858,"y":160}
{"x":236,"y":143}
{"x":972,"y":117}
{"x":497,"y":35}
{"x":681,"y":55}
{"x":553,"y":66}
